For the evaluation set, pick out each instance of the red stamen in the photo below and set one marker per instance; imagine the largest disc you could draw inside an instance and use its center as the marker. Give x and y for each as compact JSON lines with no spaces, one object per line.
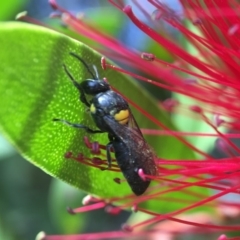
{"x":113,"y":210}
{"x":126,"y":228}
{"x":135,"y":208}
{"x":148,"y":56}
{"x":117,"y":180}
{"x":141,"y":174}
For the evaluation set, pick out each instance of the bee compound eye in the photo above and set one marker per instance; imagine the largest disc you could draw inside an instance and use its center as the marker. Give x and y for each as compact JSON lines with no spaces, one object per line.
{"x":93,"y":87}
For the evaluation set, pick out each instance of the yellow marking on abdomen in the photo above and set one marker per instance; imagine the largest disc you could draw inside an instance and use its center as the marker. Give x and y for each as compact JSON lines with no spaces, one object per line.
{"x":122,"y":116}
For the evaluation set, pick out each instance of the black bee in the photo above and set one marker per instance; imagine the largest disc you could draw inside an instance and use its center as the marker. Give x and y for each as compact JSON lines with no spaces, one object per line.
{"x":111,"y":114}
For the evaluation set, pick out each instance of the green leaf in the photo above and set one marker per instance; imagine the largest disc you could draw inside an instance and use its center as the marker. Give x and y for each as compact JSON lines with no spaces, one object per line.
{"x":34,"y":89}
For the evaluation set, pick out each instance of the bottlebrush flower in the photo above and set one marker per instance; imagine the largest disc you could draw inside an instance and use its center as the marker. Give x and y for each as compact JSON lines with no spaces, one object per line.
{"x":209,"y":79}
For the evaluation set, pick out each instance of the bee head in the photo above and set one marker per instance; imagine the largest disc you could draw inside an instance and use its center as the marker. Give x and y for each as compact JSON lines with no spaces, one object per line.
{"x":93,"y":87}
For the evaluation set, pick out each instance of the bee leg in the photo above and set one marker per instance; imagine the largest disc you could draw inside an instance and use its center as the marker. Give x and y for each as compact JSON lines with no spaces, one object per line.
{"x":82,"y":97}
{"x":109,"y":158}
{"x":76,"y":125}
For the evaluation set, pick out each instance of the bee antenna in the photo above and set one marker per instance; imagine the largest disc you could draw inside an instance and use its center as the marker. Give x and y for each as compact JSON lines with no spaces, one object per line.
{"x":76,"y":84}
{"x":96,"y":76}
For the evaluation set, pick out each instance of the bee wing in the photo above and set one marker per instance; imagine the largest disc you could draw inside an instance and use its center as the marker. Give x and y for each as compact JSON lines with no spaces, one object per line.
{"x":125,"y":132}
{"x":133,"y":124}
{"x":135,"y":144}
